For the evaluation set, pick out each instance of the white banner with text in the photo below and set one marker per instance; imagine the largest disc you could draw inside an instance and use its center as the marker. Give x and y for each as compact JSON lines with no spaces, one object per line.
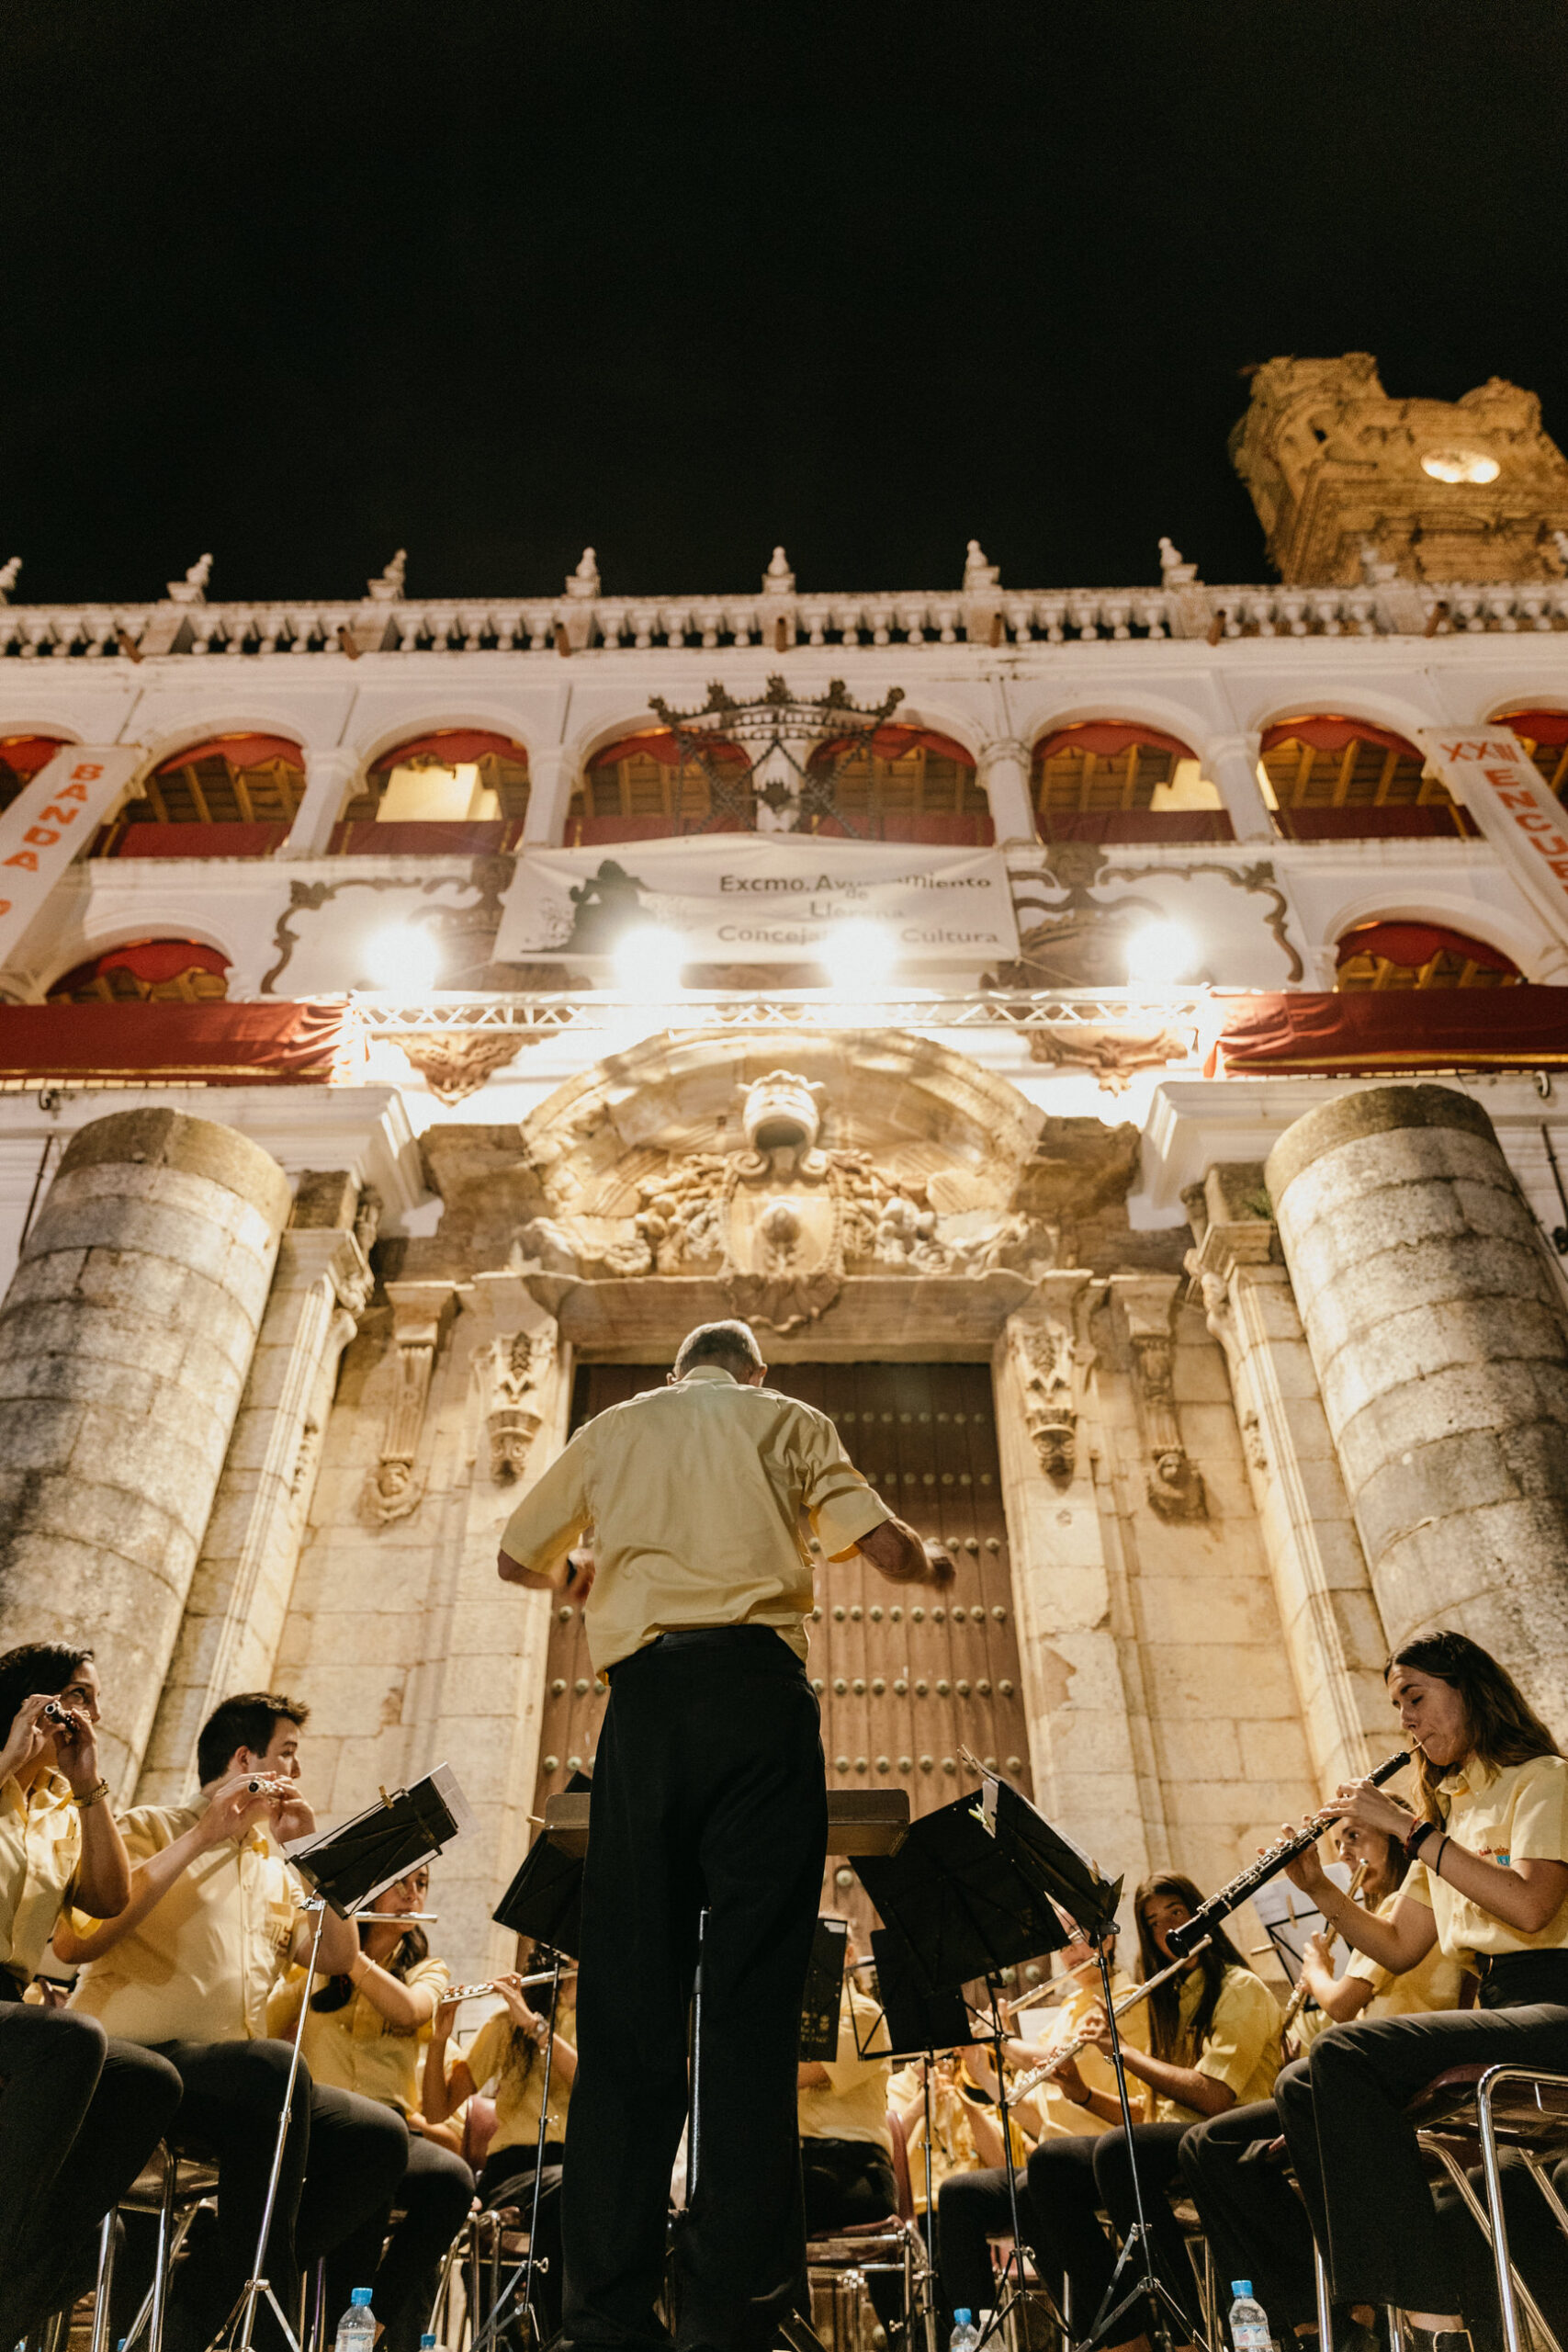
{"x":49,"y":822}
{"x":1494,"y":776}
{"x":741,"y":898}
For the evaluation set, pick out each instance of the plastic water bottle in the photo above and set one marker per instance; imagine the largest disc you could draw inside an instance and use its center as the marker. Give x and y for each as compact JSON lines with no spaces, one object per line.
{"x":965,"y":2334}
{"x":356,"y":2328}
{"x":1249,"y":2321}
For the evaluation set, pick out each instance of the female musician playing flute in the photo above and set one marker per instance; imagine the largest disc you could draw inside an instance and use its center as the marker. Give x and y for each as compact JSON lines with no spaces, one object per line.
{"x":1491,"y":1887}
{"x":1214,"y":2036}
{"x":363,"y":2032}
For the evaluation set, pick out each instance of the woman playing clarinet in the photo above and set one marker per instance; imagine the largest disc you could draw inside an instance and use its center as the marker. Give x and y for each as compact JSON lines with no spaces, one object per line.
{"x":1489,"y":1883}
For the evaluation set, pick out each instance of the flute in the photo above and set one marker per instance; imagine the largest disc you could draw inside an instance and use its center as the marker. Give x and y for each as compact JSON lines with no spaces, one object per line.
{"x":1272,"y":1860}
{"x":1059,"y":2058}
{"x":472,"y":1992}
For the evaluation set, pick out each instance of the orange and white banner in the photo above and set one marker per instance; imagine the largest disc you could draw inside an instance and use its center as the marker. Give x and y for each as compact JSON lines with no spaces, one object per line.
{"x":1494,"y":776}
{"x":49,"y":822}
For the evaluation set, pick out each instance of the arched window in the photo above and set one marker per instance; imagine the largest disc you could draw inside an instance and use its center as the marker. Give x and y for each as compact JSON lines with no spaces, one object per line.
{"x":1544,"y":734}
{"x":1344,"y":780}
{"x":233,"y":796}
{"x":640,"y":789}
{"x":21,"y":757}
{"x":904,"y":784}
{"x":1407,"y":954}
{"x":161,"y":971}
{"x":459,"y":789}
{"x":1114,"y":781}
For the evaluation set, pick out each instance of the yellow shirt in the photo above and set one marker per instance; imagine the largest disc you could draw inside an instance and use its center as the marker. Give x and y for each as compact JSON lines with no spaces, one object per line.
{"x":1433,"y":1983}
{"x":695,"y":1495}
{"x":953,"y":2138}
{"x":354,"y":2047}
{"x":1060,"y":2118}
{"x":852,"y":2103}
{"x":489,"y":2057}
{"x":1241,"y":2048}
{"x":1516,"y":1813}
{"x":202,"y":1964}
{"x":40,"y":1846}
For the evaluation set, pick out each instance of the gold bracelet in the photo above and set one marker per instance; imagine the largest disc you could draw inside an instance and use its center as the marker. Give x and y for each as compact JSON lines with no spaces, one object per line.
{"x":82,"y":1804}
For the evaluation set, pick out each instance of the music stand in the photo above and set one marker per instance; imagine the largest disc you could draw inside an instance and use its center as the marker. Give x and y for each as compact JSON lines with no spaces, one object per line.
{"x":346,"y":1868}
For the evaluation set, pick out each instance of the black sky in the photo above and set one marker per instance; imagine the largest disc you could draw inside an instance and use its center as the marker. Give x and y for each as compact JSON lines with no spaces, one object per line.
{"x":304,"y":283}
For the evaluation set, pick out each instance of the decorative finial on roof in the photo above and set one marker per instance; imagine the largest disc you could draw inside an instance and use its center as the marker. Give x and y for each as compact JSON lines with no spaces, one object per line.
{"x":1376,"y":574}
{"x":389,"y":588}
{"x":1559,"y":540}
{"x":191,"y":590}
{"x":1173,"y":572}
{"x":584,"y":581}
{"x":8,"y":576}
{"x":778,"y":580}
{"x":977,"y":572}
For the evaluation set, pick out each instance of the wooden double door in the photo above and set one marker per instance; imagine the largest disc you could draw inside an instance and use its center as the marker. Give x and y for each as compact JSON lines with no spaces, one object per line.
{"x":906,"y":1677}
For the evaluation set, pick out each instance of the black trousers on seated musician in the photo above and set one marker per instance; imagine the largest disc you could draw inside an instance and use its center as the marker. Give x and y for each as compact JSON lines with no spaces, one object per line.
{"x":399,"y":2250}
{"x":848,"y":2183}
{"x":508,"y":2179}
{"x":80,"y":2114}
{"x":1360,"y":2172}
{"x":1070,"y":2180}
{"x":973,"y":2208}
{"x":708,"y":1792}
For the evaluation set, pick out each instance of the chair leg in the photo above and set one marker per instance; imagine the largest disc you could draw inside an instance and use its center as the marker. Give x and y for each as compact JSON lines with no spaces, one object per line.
{"x":103,"y":2283}
{"x":1511,"y":2288}
{"x":163,"y":2258}
{"x":1325,"y":2300}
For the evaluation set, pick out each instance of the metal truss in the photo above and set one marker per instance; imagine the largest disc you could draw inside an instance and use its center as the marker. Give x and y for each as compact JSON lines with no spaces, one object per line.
{"x":609,"y":1008}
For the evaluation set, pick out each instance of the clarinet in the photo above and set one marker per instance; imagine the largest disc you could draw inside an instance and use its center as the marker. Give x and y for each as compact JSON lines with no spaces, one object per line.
{"x":1272,"y":1860}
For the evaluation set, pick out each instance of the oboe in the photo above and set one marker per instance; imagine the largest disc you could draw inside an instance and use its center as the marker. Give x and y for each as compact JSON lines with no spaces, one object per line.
{"x":1058,"y":2058}
{"x":1272,"y":1860}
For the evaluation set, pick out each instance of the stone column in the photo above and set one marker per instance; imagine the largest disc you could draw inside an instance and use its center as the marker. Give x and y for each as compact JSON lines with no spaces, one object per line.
{"x":328,"y":776}
{"x":1230,"y":766}
{"x":1080,"y":1737}
{"x":124,"y":1340}
{"x":1441,"y":1347}
{"x":552,"y":776}
{"x":1334,"y":1635}
{"x":1003,"y":771}
{"x":245,"y":1578}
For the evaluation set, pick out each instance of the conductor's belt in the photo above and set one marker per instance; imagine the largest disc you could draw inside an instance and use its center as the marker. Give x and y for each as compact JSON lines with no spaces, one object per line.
{"x":763,"y":1639}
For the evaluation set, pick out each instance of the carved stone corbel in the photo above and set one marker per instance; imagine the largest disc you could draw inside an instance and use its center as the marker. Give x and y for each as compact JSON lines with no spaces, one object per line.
{"x":1051,"y":1356}
{"x":1175,"y":1483}
{"x":515,"y":1368}
{"x":420,"y":1314}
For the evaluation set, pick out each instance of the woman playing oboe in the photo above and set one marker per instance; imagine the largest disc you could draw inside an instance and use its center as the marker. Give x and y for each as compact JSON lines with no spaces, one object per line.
{"x":1490,"y":1886}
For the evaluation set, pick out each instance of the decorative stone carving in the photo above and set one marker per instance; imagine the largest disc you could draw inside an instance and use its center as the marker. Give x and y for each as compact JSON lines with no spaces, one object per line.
{"x":1113,"y":1056}
{"x":1175,"y":1483}
{"x":367,"y":1220}
{"x":455,"y":1066}
{"x":420,"y":1312}
{"x":516,"y":1366}
{"x":1045,"y":1351}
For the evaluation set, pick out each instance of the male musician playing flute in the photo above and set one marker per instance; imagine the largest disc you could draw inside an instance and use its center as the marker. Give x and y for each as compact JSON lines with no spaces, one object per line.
{"x":708,"y":1792}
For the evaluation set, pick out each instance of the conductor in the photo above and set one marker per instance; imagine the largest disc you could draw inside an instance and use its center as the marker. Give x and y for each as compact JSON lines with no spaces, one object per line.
{"x":708,"y":1792}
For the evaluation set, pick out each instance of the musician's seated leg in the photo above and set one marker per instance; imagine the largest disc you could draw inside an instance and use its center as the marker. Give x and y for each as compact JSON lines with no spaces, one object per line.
{"x":970,"y":2209}
{"x":358,"y":2153}
{"x":1064,"y":2202}
{"x":1252,"y":2217}
{"x":435,"y":2192}
{"x":846,"y":2184}
{"x":1157,"y":2148}
{"x":508,"y":2179}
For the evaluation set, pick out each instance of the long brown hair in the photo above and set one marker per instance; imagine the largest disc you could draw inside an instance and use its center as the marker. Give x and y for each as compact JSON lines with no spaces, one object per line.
{"x":1501,"y":1725}
{"x":1165,"y":2005}
{"x":411,"y":1947}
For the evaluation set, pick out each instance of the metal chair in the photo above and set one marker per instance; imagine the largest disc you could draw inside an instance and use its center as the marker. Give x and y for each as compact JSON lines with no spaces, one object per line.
{"x":175,"y":2186}
{"x":1468,"y":2110}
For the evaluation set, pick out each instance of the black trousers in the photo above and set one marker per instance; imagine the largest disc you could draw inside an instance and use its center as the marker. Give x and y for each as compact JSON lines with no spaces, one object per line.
{"x":343,"y":2157}
{"x":79,"y":2116}
{"x":708,"y":1790}
{"x":1252,"y":2217}
{"x":972,"y":2208}
{"x":1068,"y":2179}
{"x":508,"y":2179}
{"x":848,"y":2183}
{"x":432,"y":2201}
{"x":1355,"y":2157}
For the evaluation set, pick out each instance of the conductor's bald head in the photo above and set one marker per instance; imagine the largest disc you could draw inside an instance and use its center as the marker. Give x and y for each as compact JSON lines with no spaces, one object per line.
{"x":731,"y":1346}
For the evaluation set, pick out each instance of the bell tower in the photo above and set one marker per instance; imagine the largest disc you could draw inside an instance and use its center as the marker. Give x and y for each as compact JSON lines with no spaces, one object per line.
{"x":1469,"y":490}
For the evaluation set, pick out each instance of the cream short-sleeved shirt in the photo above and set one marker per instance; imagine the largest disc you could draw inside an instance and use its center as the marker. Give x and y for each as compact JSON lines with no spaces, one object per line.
{"x":1514,"y":1812}
{"x":1060,"y":2117}
{"x":1434,"y":1983}
{"x":203,"y":1963}
{"x":41,"y":1848}
{"x":695,"y":1495}
{"x":490,"y":2059}
{"x":1241,"y":2048}
{"x":354,"y":2047}
{"x":852,"y":2103}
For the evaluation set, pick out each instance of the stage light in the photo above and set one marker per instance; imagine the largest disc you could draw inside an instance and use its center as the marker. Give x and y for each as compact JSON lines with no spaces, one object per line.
{"x":404,"y":957}
{"x":1460,"y":465}
{"x":647,"y":960}
{"x":1160,"y":952}
{"x":859,"y":955}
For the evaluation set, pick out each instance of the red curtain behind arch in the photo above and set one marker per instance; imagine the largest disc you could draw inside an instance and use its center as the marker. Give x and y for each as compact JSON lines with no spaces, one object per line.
{"x":452,"y":747}
{"x":1333,"y":734}
{"x":240,"y":750}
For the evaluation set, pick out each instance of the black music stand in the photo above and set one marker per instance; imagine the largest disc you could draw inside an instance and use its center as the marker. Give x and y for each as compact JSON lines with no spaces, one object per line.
{"x":346,"y":1868}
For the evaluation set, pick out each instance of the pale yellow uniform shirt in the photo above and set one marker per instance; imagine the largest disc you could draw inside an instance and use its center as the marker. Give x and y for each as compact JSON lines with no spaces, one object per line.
{"x":490,"y":2057}
{"x":1060,"y":2118}
{"x":852,"y":2103}
{"x":41,"y":1848}
{"x":1519,"y":1812}
{"x":695,"y":1495}
{"x":1241,"y":2048}
{"x":953,"y":2138}
{"x":356,"y":2048}
{"x":1434,"y":1983}
{"x":202,"y":1964}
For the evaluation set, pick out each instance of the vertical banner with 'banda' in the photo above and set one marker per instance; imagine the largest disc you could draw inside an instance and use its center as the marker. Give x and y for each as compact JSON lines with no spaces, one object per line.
{"x":1495,"y":777}
{"x":49,"y":822}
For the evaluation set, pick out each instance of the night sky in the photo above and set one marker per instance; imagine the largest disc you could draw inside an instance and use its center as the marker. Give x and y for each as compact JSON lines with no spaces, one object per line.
{"x":307,"y":283}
